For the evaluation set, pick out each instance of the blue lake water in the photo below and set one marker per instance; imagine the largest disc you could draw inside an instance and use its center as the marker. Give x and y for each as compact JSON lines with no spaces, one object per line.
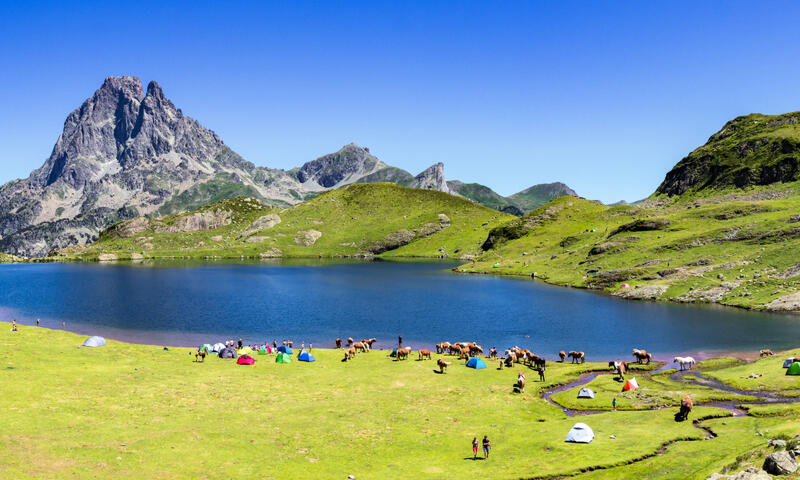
{"x":176,"y":303}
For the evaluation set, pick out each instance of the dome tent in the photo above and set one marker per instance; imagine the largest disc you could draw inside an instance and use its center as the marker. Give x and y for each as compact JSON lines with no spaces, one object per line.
{"x":586,"y":392}
{"x":476,"y":363}
{"x":207,"y":347}
{"x":246,"y":360}
{"x":263,"y":351}
{"x":218,"y":347}
{"x":283,"y":358}
{"x":285,"y":349}
{"x":245,"y":351}
{"x":630,"y":385}
{"x":788,"y":362}
{"x":227,"y":352}
{"x":794,"y":369}
{"x":306,"y":357}
{"x":580,"y":433}
{"x":95,"y":342}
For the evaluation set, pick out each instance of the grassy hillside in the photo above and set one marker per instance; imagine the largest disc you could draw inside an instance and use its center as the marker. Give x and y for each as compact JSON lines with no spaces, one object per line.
{"x":138,"y":411}
{"x":737,"y":248}
{"x":537,"y":195}
{"x":361,"y":219}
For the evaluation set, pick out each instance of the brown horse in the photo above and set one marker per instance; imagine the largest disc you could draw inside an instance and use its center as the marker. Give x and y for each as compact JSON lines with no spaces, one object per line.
{"x":766,"y":353}
{"x":402,"y":353}
{"x":642,"y":355}
{"x":577,"y":357}
{"x":686,"y":407}
{"x":521,"y":382}
{"x":425,"y":354}
{"x":359,"y":347}
{"x":350,"y":353}
{"x":370,"y":342}
{"x":620,"y":367}
{"x":464,"y":353}
{"x":338,"y":343}
{"x":562,"y":355}
{"x":349,"y":341}
{"x":442,"y":365}
{"x":511,"y":359}
{"x":442,"y":347}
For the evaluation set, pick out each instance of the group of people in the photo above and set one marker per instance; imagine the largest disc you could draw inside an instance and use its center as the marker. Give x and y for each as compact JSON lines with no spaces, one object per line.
{"x":15,"y":328}
{"x":487,"y":445}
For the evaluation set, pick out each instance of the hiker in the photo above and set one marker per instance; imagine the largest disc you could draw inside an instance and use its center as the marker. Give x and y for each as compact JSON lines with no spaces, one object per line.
{"x":37,"y":322}
{"x":290,"y":344}
{"x":614,"y":404}
{"x":240,"y":343}
{"x":486,"y":446}
{"x":63,"y":324}
{"x":14,"y":326}
{"x":200,"y":356}
{"x":474,"y":448}
{"x":303,"y":345}
{"x":399,"y":341}
{"x":274,"y":344}
{"x":541,"y":373}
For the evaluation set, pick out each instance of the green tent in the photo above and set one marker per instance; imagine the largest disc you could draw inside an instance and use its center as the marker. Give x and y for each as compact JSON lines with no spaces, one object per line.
{"x":245,"y":351}
{"x":283,"y":358}
{"x":794,"y":369}
{"x":208,"y":348}
{"x":263,"y":351}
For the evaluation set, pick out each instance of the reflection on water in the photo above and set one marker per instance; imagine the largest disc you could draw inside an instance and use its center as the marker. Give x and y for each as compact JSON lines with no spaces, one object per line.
{"x":185,"y":303}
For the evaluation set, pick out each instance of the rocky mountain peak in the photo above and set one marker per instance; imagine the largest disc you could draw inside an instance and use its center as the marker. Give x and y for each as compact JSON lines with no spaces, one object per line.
{"x":432,"y":178}
{"x":347,"y":165}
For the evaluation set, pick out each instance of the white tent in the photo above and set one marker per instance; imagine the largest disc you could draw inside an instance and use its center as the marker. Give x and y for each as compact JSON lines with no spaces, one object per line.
{"x":586,"y":392}
{"x":788,"y":362}
{"x":580,"y":433}
{"x":95,"y":342}
{"x":217,"y":347}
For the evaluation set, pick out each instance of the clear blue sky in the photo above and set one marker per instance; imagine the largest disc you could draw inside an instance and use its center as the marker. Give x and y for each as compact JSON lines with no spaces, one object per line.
{"x":605,"y":96}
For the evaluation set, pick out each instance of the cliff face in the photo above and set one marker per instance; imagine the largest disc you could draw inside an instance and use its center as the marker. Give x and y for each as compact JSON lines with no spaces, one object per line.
{"x":748,"y":151}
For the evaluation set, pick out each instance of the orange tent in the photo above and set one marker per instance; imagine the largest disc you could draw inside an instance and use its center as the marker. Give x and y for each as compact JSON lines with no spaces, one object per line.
{"x":630,"y":385}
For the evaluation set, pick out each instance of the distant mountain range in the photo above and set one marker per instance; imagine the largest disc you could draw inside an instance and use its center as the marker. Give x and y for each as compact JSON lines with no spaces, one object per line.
{"x":126,"y":152}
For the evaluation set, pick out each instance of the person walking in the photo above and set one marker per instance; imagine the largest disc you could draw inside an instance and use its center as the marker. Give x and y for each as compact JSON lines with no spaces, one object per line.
{"x":487,"y":445}
{"x":37,"y":322}
{"x":399,"y":341}
{"x":474,"y":448}
{"x":614,"y":404}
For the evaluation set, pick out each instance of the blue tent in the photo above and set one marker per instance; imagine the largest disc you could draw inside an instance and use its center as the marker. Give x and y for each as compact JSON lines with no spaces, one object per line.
{"x":476,"y":363}
{"x":394,"y":353}
{"x":306,"y":357}
{"x":285,"y":349}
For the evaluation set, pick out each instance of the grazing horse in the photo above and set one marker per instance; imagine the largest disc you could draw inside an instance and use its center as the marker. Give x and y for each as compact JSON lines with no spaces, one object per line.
{"x":684,"y":362}
{"x":464,"y":354}
{"x":338,"y":343}
{"x":521,"y":382}
{"x":442,"y":347}
{"x":442,"y":365}
{"x":642,"y":355}
{"x":349,"y":341}
{"x":511,"y":359}
{"x":425,"y":354}
{"x":359,"y":347}
{"x":619,"y":367}
{"x":540,"y":362}
{"x":766,"y":353}
{"x":371,"y":342}
{"x":454,"y":349}
{"x":686,"y":407}
{"x":577,"y":357}
{"x":474,"y":349}
{"x":402,"y":353}
{"x":562,"y":355}
{"x":350,"y":353}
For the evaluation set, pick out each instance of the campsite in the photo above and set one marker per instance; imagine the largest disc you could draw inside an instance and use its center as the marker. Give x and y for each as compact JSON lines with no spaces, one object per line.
{"x":125,"y":403}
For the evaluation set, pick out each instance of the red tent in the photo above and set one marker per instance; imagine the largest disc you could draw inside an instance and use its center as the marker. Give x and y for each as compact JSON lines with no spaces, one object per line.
{"x":246,"y":360}
{"x":630,"y":385}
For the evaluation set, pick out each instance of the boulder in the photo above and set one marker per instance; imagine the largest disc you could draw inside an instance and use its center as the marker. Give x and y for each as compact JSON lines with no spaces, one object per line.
{"x":256,"y":239}
{"x":780,"y":463}
{"x":271,"y":253}
{"x":137,"y":257}
{"x":776,"y":442}
{"x":751,"y":473}
{"x":207,"y":220}
{"x":262,"y":223}
{"x":306,"y":238}
{"x":132,"y":227}
{"x":444,"y":220}
{"x":107,"y":257}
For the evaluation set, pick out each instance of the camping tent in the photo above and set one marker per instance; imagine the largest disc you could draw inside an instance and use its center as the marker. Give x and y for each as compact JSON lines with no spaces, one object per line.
{"x":218,"y":347}
{"x":263,"y":351}
{"x":246,"y":360}
{"x":227,"y":352}
{"x":285,"y":349}
{"x":306,"y":357}
{"x":245,"y":351}
{"x":794,"y":369}
{"x":580,"y":433}
{"x":476,"y":363}
{"x":586,"y":392}
{"x":394,"y":353}
{"x":208,"y":348}
{"x":95,"y":342}
{"x":283,"y":358}
{"x":630,"y":385}
{"x":788,"y":362}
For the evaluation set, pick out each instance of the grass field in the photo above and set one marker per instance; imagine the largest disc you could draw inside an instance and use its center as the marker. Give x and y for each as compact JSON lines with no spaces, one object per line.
{"x":143,"y":412}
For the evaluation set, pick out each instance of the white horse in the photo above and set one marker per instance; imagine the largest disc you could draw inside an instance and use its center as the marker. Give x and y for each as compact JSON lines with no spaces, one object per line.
{"x":684,"y":362}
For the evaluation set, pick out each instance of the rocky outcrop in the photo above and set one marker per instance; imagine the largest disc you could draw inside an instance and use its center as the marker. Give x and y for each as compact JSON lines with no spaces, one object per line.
{"x":271,"y":253}
{"x":432,"y":179}
{"x":403,"y":237}
{"x":306,"y":238}
{"x":785,"y":303}
{"x":348,"y":165}
{"x":641,"y":225}
{"x":261,"y":223}
{"x":196,"y":222}
{"x":780,"y":463}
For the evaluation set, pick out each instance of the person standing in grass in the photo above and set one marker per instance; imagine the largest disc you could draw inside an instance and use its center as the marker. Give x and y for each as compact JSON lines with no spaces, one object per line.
{"x":487,"y":445}
{"x":37,"y":322}
{"x":399,"y":341}
{"x":614,"y":404}
{"x":474,"y":448}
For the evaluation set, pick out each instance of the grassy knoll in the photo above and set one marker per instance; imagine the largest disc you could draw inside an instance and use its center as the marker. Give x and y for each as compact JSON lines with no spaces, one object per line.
{"x":735,"y":248}
{"x":771,"y":374}
{"x":655,"y":391}
{"x":358,"y":220}
{"x":139,"y":411}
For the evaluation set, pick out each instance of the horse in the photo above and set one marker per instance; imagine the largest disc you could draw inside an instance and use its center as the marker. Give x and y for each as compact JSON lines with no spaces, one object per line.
{"x":359,"y":347}
{"x":442,"y":347}
{"x":402,"y":353}
{"x":366,"y":345}
{"x":539,"y":362}
{"x":338,"y":343}
{"x":442,"y":365}
{"x":642,"y":355}
{"x":619,"y":367}
{"x":464,"y":354}
{"x":684,"y":362}
{"x":562,"y":355}
{"x":474,"y":349}
{"x":577,"y":357}
{"x":511,"y":359}
{"x":521,"y":382}
{"x":350,"y":353}
{"x":425,"y":354}
{"x":686,"y":407}
{"x":370,"y":342}
{"x":349,"y":341}
{"x":766,"y":353}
